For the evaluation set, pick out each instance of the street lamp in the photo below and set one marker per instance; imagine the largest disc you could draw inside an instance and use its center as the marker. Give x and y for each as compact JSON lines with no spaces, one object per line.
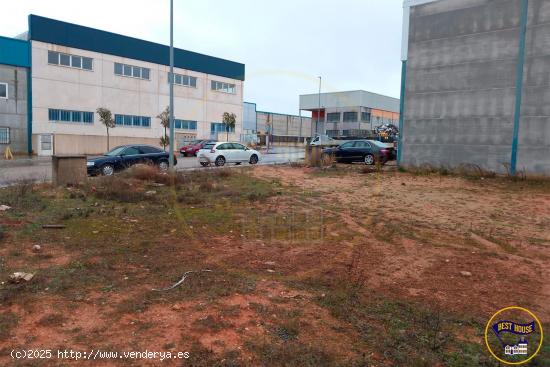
{"x":319,"y":110}
{"x":171,"y":79}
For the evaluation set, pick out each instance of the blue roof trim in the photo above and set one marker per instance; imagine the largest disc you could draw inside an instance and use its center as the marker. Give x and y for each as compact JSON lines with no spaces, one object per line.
{"x":14,"y":52}
{"x":90,"y":39}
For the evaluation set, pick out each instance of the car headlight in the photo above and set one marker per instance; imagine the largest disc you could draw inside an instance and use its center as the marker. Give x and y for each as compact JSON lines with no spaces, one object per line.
{"x":90,"y":164}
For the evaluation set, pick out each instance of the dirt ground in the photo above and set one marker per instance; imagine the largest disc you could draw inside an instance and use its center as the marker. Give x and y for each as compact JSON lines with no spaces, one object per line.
{"x":307,"y":267}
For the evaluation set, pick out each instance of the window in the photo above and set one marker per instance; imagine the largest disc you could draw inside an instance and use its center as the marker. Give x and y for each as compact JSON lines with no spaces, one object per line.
{"x":217,"y":127}
{"x":132,"y":71}
{"x":362,"y":144}
{"x":333,"y":117}
{"x":73,"y":61}
{"x":145,"y":149}
{"x":4,"y":135}
{"x":56,"y":115}
{"x":365,"y":116}
{"x":4,"y":90}
{"x":350,"y":116}
{"x":238,"y":146}
{"x":131,"y":151}
{"x":223,"y":87}
{"x":132,"y":121}
{"x":184,"y":80}
{"x":185,"y":124}
{"x":347,"y":145}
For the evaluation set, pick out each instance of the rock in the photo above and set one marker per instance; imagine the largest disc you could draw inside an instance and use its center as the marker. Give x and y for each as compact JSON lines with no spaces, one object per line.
{"x":3,"y":208}
{"x":270,"y":271}
{"x":150,"y":193}
{"x":466,"y":273}
{"x":36,"y":248}
{"x":447,"y":260}
{"x":17,"y":277}
{"x":270,"y":263}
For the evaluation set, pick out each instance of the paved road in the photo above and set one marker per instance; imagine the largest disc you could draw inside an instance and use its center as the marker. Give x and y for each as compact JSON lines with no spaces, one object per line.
{"x":40,"y":169}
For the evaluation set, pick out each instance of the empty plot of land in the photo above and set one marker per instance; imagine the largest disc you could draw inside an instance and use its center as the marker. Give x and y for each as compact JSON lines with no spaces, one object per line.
{"x":315,"y":267}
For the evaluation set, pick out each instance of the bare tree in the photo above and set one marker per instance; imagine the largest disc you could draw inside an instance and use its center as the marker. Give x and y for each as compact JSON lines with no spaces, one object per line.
{"x":229,"y":120}
{"x":106,"y":117}
{"x":164,"y":118}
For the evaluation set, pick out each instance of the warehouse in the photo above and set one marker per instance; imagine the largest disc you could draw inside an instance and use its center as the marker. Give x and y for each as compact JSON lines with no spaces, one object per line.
{"x":349,"y":113}
{"x":74,"y":70}
{"x":475,"y":84}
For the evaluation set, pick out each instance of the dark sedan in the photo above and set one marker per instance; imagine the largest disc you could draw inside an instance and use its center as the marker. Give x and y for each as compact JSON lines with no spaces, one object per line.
{"x":368,"y":152}
{"x":125,"y":156}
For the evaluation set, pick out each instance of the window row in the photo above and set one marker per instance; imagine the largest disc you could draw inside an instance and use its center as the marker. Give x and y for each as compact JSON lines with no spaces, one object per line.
{"x":185,"y":80}
{"x":73,"y":61}
{"x":4,"y":135}
{"x":132,"y":121}
{"x":348,"y":116}
{"x":56,"y":115}
{"x":185,"y":124}
{"x":4,"y":90}
{"x":217,"y":127}
{"x":223,"y":87}
{"x":132,"y":71}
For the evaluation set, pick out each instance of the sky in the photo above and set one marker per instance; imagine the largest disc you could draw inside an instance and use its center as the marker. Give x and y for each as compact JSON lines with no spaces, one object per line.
{"x":285,"y":44}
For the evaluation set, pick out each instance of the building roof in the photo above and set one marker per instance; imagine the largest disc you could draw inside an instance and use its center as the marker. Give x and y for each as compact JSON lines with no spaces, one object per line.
{"x":354,"y":98}
{"x":76,"y":36}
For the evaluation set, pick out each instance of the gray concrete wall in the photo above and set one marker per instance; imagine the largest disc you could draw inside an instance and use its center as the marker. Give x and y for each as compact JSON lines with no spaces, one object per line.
{"x":284,"y":125}
{"x":13,"y":111}
{"x":460,"y":87}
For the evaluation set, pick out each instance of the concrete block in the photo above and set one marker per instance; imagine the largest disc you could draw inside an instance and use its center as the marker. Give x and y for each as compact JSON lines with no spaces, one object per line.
{"x":69,"y":170}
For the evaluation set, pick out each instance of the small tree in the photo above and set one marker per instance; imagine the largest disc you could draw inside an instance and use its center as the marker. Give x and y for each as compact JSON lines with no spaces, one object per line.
{"x":164,"y":118}
{"x":106,"y":117}
{"x":229,"y":121}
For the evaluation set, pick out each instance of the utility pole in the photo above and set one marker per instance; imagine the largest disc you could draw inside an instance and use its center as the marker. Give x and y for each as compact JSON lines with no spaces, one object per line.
{"x":319,"y":110}
{"x":171,"y":79}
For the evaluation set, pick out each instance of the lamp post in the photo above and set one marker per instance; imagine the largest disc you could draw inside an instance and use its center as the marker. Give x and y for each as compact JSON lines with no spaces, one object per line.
{"x":171,"y":79}
{"x":319,"y":110}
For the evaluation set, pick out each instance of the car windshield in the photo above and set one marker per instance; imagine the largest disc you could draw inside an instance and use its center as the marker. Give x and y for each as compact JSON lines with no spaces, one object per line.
{"x":116,"y":151}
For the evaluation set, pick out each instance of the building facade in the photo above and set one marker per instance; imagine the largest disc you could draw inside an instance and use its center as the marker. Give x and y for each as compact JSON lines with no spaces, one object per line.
{"x":14,"y":73}
{"x":476,"y":85}
{"x":349,"y":113}
{"x":75,"y":70}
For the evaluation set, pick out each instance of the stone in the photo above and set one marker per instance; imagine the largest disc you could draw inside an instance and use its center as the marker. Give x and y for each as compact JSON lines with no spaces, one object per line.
{"x":466,"y":273}
{"x":36,"y":248}
{"x":3,"y":208}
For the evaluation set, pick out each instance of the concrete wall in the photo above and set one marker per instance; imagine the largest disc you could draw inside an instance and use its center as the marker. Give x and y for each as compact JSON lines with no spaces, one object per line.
{"x":73,"y":89}
{"x":13,"y":111}
{"x":284,"y":125}
{"x":460,"y":85}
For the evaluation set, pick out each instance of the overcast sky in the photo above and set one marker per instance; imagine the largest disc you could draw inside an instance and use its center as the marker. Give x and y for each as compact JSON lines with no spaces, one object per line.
{"x":285,"y":44}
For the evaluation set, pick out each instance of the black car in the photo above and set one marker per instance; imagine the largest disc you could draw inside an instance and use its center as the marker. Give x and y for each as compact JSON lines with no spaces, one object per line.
{"x":366,"y":151}
{"x":125,"y":156}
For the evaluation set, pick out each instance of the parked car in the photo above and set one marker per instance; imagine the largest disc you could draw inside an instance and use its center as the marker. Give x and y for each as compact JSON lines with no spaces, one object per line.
{"x":387,"y":150}
{"x":125,"y":156}
{"x":226,"y":152}
{"x":366,"y":151}
{"x":193,"y":147}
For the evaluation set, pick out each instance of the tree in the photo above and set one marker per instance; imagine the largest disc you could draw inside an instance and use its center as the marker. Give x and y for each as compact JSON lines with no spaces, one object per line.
{"x":164,"y":117}
{"x":106,"y":117}
{"x":229,"y":120}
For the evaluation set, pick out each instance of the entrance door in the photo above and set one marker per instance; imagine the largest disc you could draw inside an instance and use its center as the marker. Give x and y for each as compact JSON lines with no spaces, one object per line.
{"x":45,"y":144}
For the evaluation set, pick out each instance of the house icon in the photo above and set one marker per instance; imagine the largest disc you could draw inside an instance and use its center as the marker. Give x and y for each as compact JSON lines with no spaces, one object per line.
{"x":519,"y":349}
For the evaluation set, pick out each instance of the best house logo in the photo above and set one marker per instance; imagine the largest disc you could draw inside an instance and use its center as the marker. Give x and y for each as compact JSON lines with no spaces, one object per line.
{"x":514,"y":335}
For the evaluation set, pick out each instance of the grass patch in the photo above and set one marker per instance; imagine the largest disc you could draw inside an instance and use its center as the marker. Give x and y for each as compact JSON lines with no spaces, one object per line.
{"x":8,"y":321}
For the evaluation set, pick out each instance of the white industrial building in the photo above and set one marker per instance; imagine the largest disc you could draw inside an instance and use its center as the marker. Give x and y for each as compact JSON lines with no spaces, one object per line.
{"x":74,"y":70}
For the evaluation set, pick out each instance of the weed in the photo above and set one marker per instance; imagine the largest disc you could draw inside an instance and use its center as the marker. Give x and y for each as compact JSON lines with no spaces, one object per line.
{"x":54,"y":319}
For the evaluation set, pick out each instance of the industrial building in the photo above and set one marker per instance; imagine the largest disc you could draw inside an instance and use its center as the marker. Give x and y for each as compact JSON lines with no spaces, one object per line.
{"x":55,"y":76}
{"x":276,"y":128}
{"x":475,"y":85}
{"x":349,"y":113}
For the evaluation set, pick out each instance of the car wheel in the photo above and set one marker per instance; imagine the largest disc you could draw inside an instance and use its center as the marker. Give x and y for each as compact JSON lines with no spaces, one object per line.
{"x":253,"y":159}
{"x":369,"y":159}
{"x":163,"y":165}
{"x":205,"y":164}
{"x":107,"y":170}
{"x":220,"y":161}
